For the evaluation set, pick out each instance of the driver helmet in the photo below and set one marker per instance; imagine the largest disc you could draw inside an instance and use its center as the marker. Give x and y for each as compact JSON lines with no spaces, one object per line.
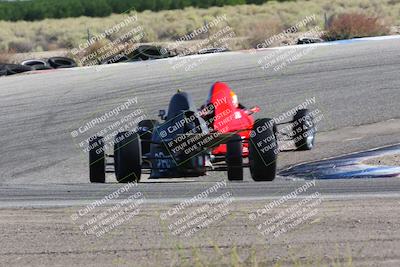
{"x":235,"y":100}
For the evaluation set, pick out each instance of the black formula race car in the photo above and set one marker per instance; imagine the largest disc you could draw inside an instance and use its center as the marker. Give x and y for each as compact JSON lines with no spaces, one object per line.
{"x":181,"y":145}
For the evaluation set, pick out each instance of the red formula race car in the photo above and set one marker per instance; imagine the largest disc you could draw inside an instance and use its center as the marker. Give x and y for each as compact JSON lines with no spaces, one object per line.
{"x":229,"y":116}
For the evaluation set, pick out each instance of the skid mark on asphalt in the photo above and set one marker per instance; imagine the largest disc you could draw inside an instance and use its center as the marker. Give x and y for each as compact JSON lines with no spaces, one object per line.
{"x":37,"y":168}
{"x":347,"y":167}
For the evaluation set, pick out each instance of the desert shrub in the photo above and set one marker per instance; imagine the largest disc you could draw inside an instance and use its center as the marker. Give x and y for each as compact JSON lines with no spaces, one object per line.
{"x":6,"y":58}
{"x":261,"y":31}
{"x":94,"y":53}
{"x":353,"y":25}
{"x":20,"y":46}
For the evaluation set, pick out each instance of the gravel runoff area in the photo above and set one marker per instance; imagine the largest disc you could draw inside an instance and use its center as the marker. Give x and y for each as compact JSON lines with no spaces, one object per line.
{"x":361,"y":231}
{"x":389,"y":160}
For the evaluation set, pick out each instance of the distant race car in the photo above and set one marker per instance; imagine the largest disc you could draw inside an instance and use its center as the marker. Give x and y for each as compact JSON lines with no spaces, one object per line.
{"x":221,"y":136}
{"x":228,"y":115}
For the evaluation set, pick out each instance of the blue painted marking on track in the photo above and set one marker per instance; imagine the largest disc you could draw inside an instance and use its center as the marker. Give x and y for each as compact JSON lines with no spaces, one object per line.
{"x":347,"y":167}
{"x":365,"y":39}
{"x":350,"y":41}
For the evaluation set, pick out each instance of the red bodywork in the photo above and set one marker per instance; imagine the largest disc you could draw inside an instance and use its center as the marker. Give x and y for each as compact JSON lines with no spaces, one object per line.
{"x":229,"y":116}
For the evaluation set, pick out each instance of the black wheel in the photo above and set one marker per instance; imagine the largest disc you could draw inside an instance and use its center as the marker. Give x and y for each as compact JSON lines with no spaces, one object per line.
{"x":263,"y":150}
{"x":234,"y":158}
{"x":34,"y":63}
{"x":3,"y":72}
{"x":118,"y":137}
{"x":145,"y":130}
{"x":116,"y":59}
{"x":61,"y":62}
{"x":304,"y":129}
{"x":40,"y":67}
{"x":128,"y":158}
{"x":97,"y":166}
{"x":10,"y":69}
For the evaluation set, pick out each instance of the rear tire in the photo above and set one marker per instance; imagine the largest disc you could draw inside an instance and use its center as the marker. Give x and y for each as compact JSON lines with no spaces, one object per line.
{"x":128,"y":158}
{"x":304,"y":131}
{"x":234,"y":158}
{"x":263,"y":150}
{"x":97,"y":167}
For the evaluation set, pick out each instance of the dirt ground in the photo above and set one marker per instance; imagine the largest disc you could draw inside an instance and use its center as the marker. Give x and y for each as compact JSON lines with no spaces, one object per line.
{"x":340,"y":232}
{"x":390,"y":160}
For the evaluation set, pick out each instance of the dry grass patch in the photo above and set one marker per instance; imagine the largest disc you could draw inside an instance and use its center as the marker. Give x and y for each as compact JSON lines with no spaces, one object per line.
{"x":354,"y":25}
{"x":262,"y":30}
{"x":6,"y":58}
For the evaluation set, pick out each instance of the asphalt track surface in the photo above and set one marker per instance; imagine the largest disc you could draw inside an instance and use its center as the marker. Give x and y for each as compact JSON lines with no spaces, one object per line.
{"x":37,"y":196}
{"x":356,"y":86}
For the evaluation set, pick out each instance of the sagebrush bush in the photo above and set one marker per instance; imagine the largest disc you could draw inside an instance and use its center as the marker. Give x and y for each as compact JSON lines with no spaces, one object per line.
{"x":6,"y":58}
{"x":354,"y":25}
{"x":20,"y":46}
{"x":262,"y":30}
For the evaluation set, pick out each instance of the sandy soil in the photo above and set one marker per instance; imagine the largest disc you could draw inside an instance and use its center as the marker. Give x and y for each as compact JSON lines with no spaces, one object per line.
{"x":391,"y":160}
{"x":360,"y":232}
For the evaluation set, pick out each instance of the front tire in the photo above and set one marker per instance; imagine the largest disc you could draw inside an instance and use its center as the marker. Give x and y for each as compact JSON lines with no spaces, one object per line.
{"x":97,"y":166}
{"x":234,"y":158}
{"x":304,"y":131}
{"x":263,"y":150}
{"x":128,"y":158}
